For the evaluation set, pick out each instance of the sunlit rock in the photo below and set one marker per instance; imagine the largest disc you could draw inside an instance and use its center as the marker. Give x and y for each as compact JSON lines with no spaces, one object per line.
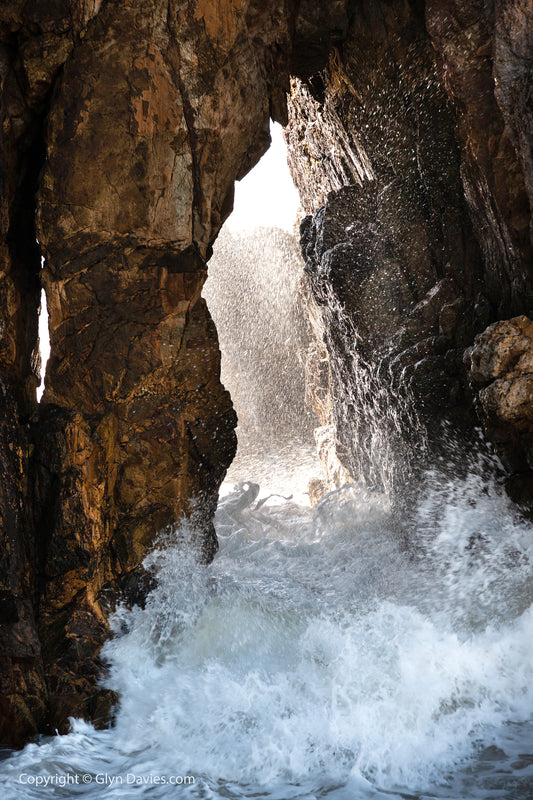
{"x":501,"y":372}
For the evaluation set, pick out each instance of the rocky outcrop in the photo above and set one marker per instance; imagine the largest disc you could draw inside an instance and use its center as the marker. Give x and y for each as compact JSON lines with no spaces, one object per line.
{"x":390,"y":254}
{"x":501,"y":373}
{"x":484,"y":56}
{"x":411,"y":152}
{"x":124,"y":127}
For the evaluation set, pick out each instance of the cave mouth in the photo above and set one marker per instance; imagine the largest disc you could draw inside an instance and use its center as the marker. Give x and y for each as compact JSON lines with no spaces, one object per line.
{"x":255,"y":297}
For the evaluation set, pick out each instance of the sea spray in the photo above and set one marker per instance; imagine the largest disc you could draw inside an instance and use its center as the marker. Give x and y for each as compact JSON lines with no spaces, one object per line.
{"x":253,"y":295}
{"x":314,"y":652}
{"x":317,"y":656}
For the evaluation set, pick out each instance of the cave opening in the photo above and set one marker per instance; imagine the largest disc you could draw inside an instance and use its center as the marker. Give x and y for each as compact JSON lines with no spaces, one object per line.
{"x":255,"y":295}
{"x":44,"y":342}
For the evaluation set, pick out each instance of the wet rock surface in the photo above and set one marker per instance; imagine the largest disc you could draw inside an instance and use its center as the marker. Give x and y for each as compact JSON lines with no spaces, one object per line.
{"x":407,"y":155}
{"x":391,"y":258}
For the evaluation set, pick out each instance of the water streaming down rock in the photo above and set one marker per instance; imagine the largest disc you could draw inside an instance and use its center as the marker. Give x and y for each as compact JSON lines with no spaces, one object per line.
{"x":373,"y":426}
{"x":263,"y":309}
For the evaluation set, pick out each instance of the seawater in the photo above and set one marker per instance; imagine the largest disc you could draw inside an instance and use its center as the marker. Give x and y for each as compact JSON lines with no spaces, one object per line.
{"x":335,"y":652}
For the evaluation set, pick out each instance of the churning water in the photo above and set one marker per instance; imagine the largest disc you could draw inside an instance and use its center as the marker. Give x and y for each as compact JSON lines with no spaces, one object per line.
{"x":317,"y":656}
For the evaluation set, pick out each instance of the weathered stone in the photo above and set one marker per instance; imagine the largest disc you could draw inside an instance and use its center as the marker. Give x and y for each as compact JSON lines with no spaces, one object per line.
{"x":133,"y":120}
{"x":22,"y":683}
{"x":501,"y":372}
{"x":484,"y":56}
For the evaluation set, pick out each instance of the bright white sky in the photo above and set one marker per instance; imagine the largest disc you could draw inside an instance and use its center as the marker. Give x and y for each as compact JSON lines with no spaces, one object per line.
{"x":266,"y":196}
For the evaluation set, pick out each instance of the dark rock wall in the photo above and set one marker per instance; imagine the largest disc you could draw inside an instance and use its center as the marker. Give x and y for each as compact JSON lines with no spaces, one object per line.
{"x":484,"y":56}
{"x":412,"y":157}
{"x":22,"y":684}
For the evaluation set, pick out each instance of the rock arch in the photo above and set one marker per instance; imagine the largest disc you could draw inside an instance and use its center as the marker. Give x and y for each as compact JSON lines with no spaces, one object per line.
{"x":124,"y":126}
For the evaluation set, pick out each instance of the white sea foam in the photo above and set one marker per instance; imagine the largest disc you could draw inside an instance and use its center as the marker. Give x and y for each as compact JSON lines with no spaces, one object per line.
{"x":317,"y":656}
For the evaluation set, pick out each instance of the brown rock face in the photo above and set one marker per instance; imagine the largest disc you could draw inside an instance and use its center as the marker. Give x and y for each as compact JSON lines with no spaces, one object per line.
{"x":135,"y":428}
{"x":124,"y":127}
{"x":501,"y":372}
{"x":484,"y":56}
{"x":412,"y":151}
